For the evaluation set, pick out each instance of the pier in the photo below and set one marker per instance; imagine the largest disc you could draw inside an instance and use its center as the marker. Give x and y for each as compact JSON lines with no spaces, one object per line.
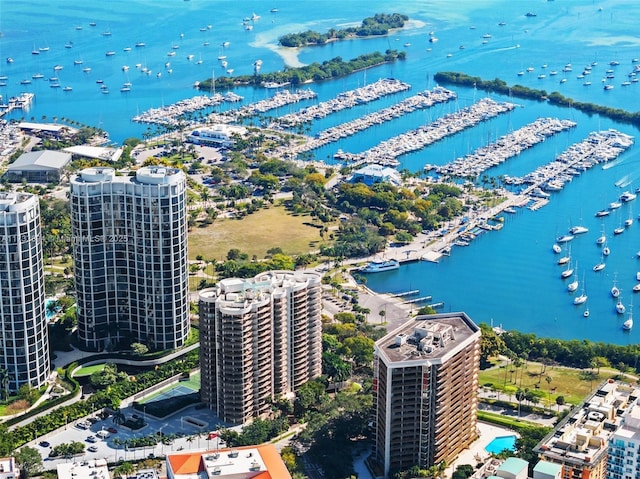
{"x":418,"y":300}
{"x":417,"y":139}
{"x":406,"y":293}
{"x":422,"y":100}
{"x":345,"y":100}
{"x":20,"y":102}
{"x":505,"y":147}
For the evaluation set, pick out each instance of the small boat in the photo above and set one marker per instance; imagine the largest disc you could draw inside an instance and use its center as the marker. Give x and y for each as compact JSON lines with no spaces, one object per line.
{"x":557,"y":248}
{"x":141,"y":44}
{"x":564,"y":80}
{"x":573,"y":286}
{"x":627,"y":196}
{"x":37,"y":76}
{"x":226,"y":44}
{"x":125,"y":89}
{"x":25,"y":82}
{"x":638,"y":276}
{"x":620,"y":308}
{"x":615,"y":291}
{"x":77,"y":62}
{"x":586,"y":313}
{"x":608,"y":87}
{"x":58,"y":67}
{"x":564,"y":238}
{"x":581,"y":299}
{"x":628,"y":324}
{"x":126,"y":49}
{"x":9,"y":60}
{"x":110,"y":53}
{"x":602,"y":213}
{"x":567,"y":272}
{"x":86,"y":69}
{"x":614,"y":205}
{"x":274,"y":10}
{"x":564,"y":260}
{"x":618,"y":230}
{"x":636,"y":288}
{"x":67,"y":88}
{"x":599,"y":267}
{"x":576,"y":230}
{"x":601,"y":239}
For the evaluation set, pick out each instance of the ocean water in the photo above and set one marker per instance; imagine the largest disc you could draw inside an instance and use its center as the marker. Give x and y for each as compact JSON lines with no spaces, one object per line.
{"x":509,"y":277}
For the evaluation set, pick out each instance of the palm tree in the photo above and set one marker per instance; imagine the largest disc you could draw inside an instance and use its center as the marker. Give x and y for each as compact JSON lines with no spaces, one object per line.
{"x":118,"y":417}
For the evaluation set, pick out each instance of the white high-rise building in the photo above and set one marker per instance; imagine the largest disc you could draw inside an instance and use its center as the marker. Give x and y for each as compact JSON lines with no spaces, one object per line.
{"x":130,"y":257}
{"x":24,"y":341}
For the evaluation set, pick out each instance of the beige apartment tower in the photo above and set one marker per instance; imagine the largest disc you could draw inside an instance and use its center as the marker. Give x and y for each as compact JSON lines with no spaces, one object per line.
{"x":425,"y":391}
{"x":260,"y":339}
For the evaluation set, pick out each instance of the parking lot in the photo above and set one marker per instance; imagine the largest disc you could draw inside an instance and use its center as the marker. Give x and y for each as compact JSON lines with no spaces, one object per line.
{"x":103,"y":438}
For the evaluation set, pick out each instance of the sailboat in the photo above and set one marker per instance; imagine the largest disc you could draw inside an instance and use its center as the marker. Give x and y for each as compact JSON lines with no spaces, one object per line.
{"x":615,"y":292}
{"x":586,"y":313}
{"x":567,"y":272}
{"x":628,"y":324}
{"x":600,"y":266}
{"x":573,"y":286}
{"x":620,"y":309}
{"x":602,"y":238}
{"x":583,"y":295}
{"x":565,"y":259}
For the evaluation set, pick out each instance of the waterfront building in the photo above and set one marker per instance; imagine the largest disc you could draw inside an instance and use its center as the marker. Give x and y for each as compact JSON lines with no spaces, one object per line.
{"x":372,"y":173}
{"x":89,"y":469}
{"x":260,"y":339}
{"x":425,"y":391}
{"x":583,"y":441}
{"x":217,"y":135}
{"x":38,"y":167}
{"x":129,"y":238}
{"x":24,"y":342}
{"x":259,"y":462}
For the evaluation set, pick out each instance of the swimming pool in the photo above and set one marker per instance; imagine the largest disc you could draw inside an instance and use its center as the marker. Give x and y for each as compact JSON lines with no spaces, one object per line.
{"x":500,"y":443}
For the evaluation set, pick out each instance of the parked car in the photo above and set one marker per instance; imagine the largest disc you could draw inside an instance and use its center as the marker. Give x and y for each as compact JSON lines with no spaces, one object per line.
{"x":92,"y":449}
{"x":112,"y":430}
{"x":91,"y":439}
{"x":44,"y":444}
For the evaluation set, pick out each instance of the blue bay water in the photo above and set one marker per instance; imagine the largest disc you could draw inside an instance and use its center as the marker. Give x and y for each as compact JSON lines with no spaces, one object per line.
{"x":509,"y":277}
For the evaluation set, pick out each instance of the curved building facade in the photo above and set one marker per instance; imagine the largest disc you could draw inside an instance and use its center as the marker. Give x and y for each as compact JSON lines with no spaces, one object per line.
{"x":130,"y":257}
{"x":24,"y":342}
{"x":260,"y":339}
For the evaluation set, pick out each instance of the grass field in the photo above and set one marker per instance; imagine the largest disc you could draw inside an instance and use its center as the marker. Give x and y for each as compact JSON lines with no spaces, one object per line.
{"x":88,"y":370}
{"x":255,"y":235}
{"x":573,"y":384}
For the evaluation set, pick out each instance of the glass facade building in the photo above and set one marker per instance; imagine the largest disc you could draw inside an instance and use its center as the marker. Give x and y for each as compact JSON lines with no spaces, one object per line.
{"x":130,"y":258}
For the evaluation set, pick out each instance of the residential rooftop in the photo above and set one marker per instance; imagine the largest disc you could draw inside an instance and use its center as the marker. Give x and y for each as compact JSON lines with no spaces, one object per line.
{"x":427,"y":337}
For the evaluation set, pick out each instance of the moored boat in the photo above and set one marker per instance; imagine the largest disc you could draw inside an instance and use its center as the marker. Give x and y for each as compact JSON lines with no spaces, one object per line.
{"x":380,"y":266}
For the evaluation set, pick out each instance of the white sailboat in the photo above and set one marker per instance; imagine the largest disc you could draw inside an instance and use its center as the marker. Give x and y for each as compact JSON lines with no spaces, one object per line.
{"x":567,"y":272}
{"x":600,"y":266}
{"x":620,"y":308}
{"x":628,"y":324}
{"x":615,"y":291}
{"x":582,"y":298}
{"x":573,"y":286}
{"x":602,"y":238}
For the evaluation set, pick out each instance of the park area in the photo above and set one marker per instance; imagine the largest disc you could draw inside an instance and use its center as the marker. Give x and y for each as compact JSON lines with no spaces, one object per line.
{"x":543,"y":384}
{"x":255,"y":235}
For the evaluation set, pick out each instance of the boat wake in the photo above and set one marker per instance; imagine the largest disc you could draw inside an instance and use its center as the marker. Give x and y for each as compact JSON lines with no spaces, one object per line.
{"x":624,"y":181}
{"x":611,"y":164}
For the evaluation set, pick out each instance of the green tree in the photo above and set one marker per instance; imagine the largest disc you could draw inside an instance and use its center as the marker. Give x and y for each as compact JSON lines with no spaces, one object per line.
{"x":139,"y":349}
{"x":360,"y":348}
{"x":29,"y":461}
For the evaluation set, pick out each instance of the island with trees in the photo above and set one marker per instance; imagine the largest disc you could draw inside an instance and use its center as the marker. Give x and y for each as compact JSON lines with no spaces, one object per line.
{"x":555,"y":98}
{"x":329,"y":69}
{"x":378,"y":25}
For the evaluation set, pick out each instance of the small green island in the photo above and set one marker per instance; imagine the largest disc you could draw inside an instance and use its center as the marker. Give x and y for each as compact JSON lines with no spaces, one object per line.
{"x":330,"y":69}
{"x":378,"y":25}
{"x":555,"y":98}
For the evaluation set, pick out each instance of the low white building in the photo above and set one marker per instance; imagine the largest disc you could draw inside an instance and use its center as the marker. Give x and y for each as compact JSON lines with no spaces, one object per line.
{"x":38,"y":166}
{"x":216,"y":135}
{"x":89,"y":469}
{"x":8,"y":468}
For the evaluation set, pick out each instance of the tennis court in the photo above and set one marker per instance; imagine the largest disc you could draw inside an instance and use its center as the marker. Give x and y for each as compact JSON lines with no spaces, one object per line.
{"x":171,"y":399}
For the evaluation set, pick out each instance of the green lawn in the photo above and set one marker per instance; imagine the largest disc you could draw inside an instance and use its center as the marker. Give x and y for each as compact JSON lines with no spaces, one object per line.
{"x":88,"y":370}
{"x":573,"y":384}
{"x":255,"y":234}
